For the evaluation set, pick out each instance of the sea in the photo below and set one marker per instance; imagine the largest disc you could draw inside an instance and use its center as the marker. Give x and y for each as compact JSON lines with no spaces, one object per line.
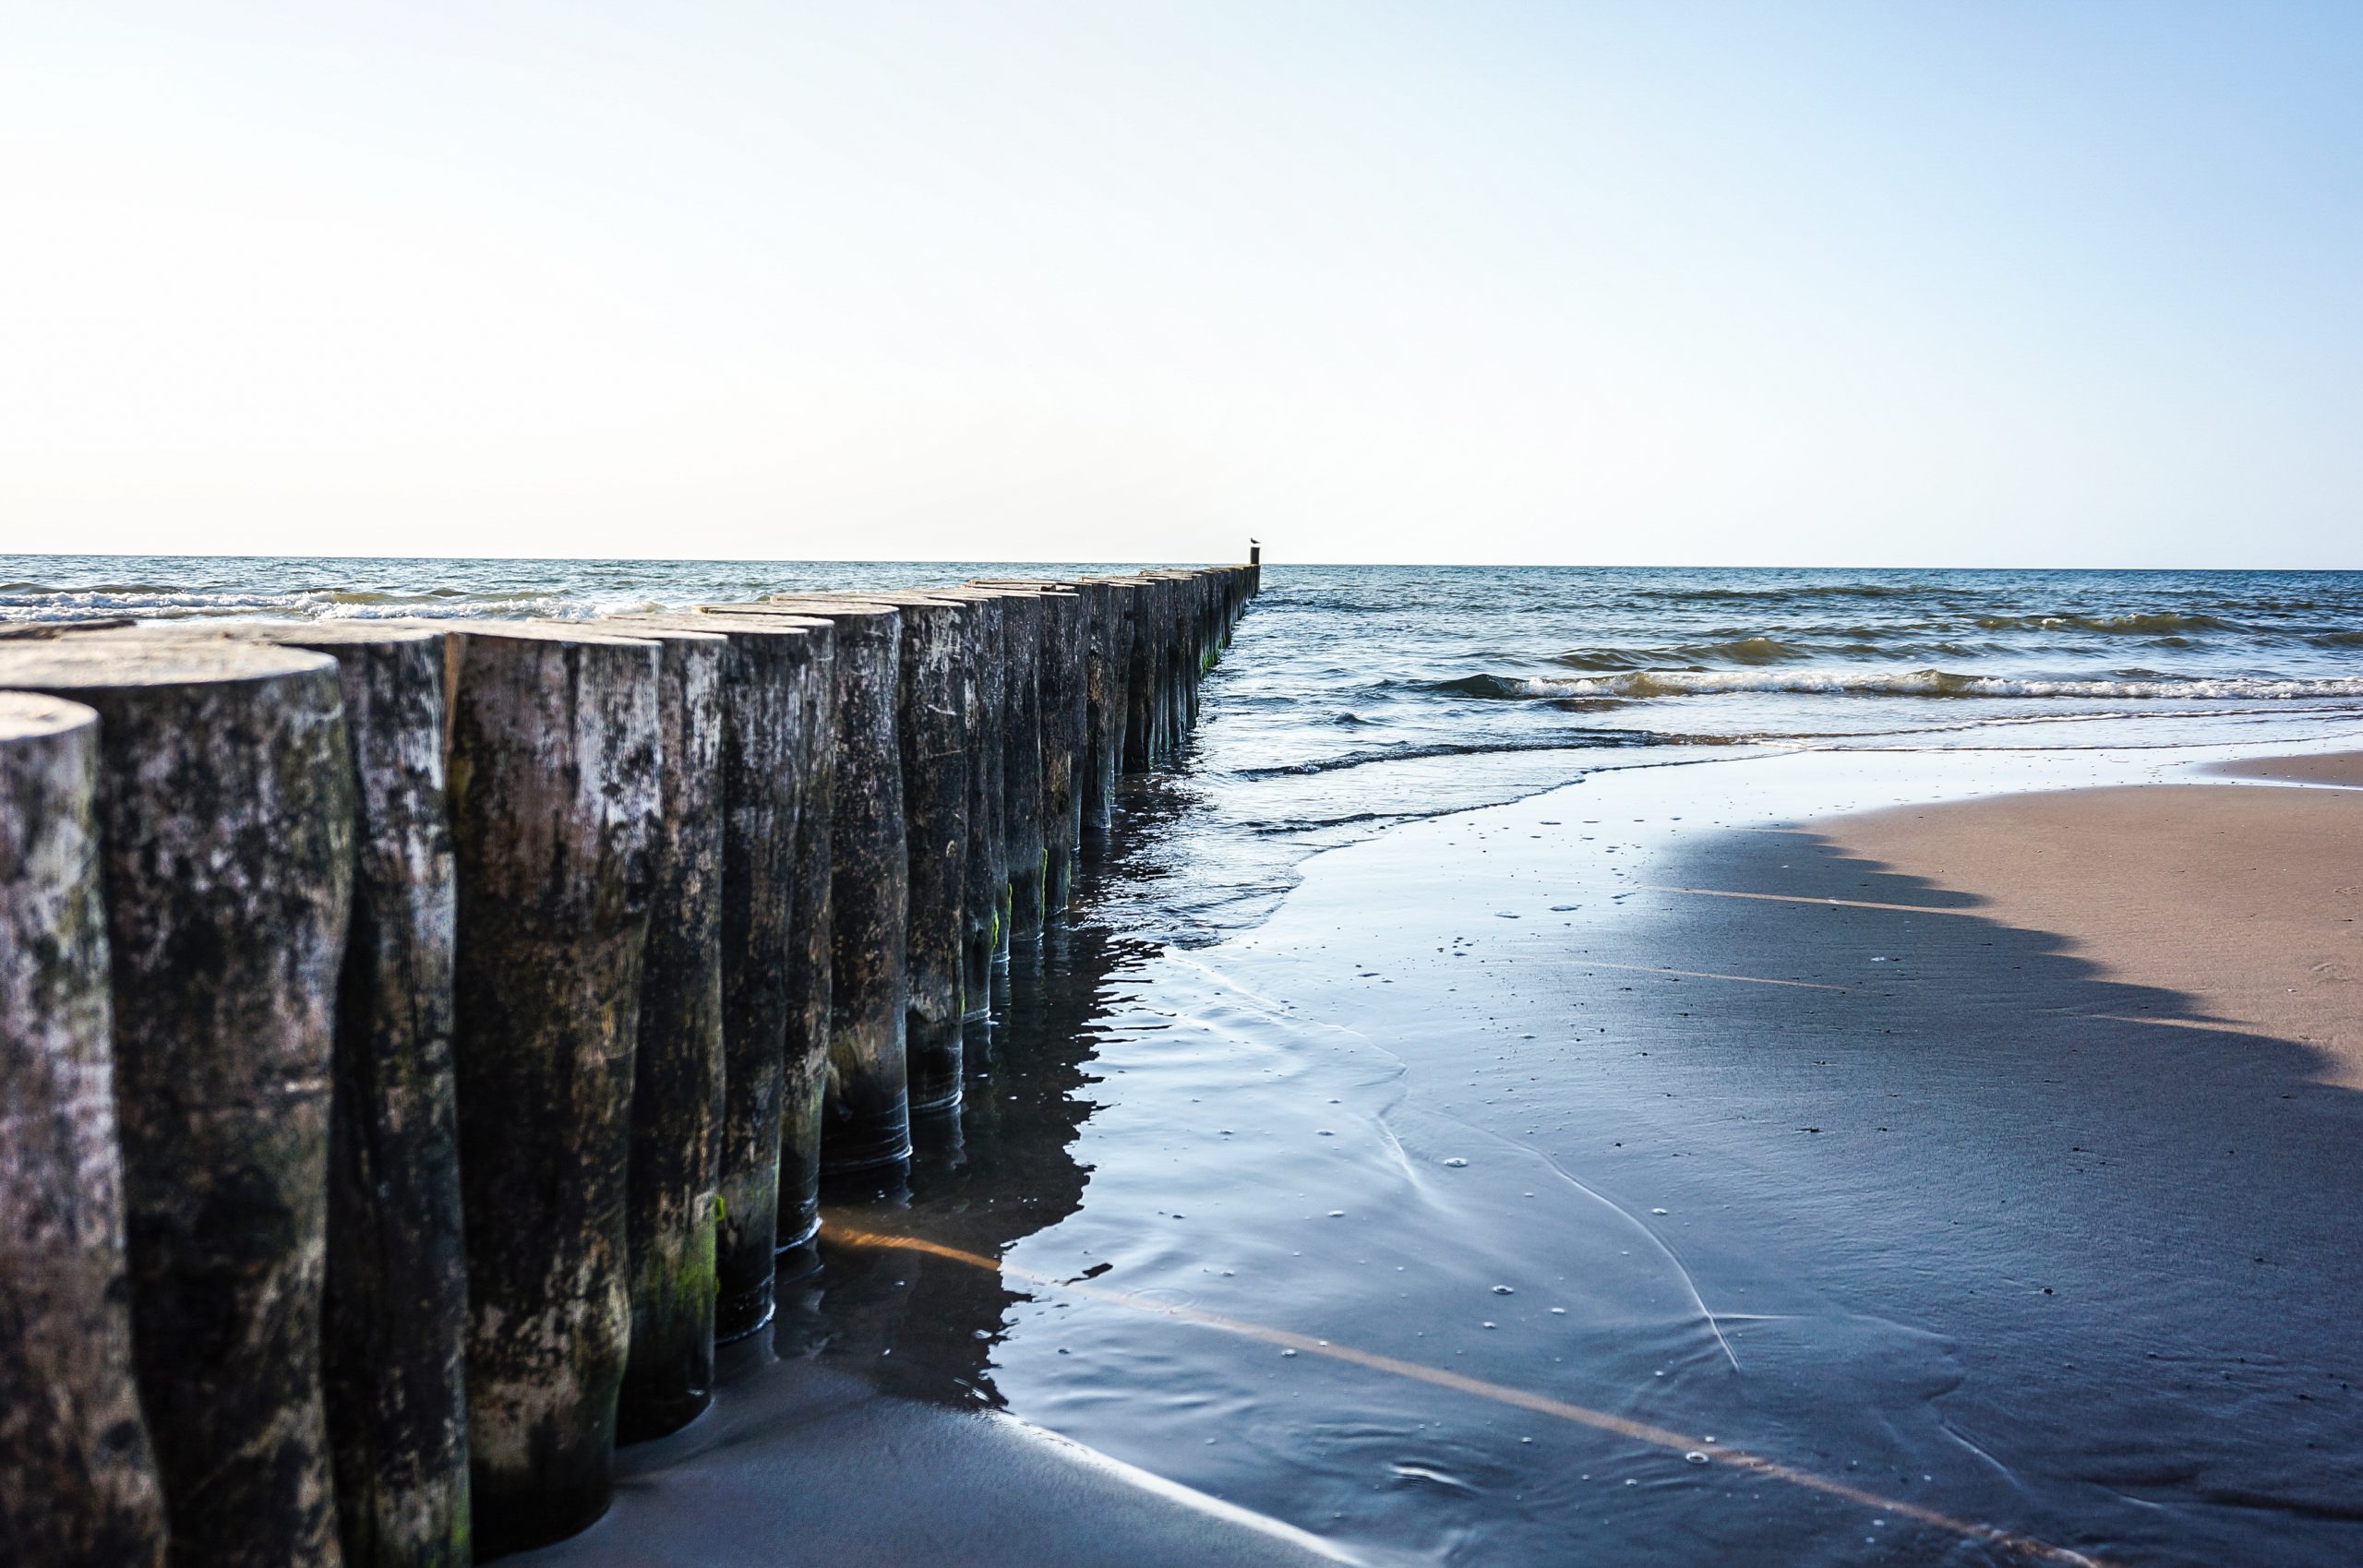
{"x":1370,"y":695}
{"x":1413,"y":1251}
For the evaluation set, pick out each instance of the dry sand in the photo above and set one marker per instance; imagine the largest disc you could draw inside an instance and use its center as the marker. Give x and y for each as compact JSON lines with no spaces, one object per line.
{"x":2247,"y":902}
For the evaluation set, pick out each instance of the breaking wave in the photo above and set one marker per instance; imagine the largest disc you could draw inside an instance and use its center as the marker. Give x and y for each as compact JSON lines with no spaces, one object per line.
{"x":1916,"y":683}
{"x":1814,"y":591}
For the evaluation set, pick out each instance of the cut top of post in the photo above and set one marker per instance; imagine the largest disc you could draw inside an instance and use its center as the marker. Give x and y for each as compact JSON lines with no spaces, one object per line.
{"x":29,"y":715}
{"x":347,"y":634}
{"x":115,"y":662}
{"x":548,"y":631}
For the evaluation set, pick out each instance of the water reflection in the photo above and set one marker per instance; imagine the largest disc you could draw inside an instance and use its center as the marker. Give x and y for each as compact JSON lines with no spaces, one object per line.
{"x":1001,"y":1170}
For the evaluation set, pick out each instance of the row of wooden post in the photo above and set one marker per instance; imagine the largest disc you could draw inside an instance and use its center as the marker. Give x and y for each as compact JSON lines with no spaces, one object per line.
{"x":418,"y":1041}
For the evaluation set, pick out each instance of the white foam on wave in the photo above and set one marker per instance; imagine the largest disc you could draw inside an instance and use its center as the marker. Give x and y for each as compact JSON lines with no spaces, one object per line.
{"x":1933,"y":683}
{"x":316,"y":603}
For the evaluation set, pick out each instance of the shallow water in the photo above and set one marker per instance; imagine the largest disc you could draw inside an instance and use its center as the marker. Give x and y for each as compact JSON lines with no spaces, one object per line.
{"x":1374,"y":1150}
{"x":1227,"y":1212}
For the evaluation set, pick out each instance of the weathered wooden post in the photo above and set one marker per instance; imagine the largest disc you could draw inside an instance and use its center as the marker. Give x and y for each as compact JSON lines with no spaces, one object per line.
{"x":78,"y":1480}
{"x":1181,"y":659}
{"x":985,"y":877}
{"x":225,"y":813}
{"x":1066,"y":712}
{"x":556,"y":761}
{"x":1144,"y":678}
{"x":931,"y":731}
{"x":1023,"y":849}
{"x":865,"y":1117}
{"x":1188,"y":661}
{"x":674,"y":1179}
{"x":394,"y":1325}
{"x":774,"y":1053}
{"x":1104,"y":684}
{"x":783,"y":960}
{"x":1064,"y":699}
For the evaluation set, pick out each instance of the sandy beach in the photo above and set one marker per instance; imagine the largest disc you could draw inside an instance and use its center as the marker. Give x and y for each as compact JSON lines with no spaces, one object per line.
{"x":2242,"y":902}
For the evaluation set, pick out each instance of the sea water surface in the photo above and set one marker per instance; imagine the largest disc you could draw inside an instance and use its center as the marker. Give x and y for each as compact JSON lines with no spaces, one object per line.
{"x":1378,"y":693}
{"x":1294,"y":1168}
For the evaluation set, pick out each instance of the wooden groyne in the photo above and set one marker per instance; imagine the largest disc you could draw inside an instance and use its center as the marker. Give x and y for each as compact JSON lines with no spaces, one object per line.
{"x":418,"y":1042}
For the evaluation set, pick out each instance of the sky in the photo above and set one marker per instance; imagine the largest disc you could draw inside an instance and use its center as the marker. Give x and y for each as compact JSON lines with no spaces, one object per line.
{"x":1932,"y":283}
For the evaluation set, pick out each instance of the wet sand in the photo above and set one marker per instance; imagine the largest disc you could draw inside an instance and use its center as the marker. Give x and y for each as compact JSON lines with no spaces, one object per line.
{"x":2343,"y":769}
{"x":2006,"y":1165}
{"x":1659,"y":1169}
{"x":803,"y":1464}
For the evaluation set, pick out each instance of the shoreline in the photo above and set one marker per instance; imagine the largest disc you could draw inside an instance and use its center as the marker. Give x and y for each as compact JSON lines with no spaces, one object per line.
{"x":1922,"y":1195}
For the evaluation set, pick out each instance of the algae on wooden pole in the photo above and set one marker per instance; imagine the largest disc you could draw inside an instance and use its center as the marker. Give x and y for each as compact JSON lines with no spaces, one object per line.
{"x":78,"y":1480}
{"x":674,"y":1180}
{"x":865,"y":1116}
{"x":225,"y":814}
{"x":395,"y":1319}
{"x":556,"y":761}
{"x":764,"y":1193}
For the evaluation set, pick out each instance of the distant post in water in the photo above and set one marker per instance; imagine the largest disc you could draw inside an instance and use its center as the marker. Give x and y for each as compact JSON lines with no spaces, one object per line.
{"x":78,"y":1481}
{"x":225,"y":815}
{"x":555,"y":751}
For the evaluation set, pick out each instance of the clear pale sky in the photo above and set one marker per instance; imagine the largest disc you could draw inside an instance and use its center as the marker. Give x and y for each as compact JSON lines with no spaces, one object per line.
{"x":1903,"y":284}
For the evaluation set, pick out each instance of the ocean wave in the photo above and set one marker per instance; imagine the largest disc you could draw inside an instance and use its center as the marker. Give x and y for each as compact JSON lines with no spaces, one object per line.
{"x":145,"y":601}
{"x":1814,"y":590}
{"x":1564,"y":740}
{"x":1754,"y":651}
{"x":1916,"y":683}
{"x":2151,"y":624}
